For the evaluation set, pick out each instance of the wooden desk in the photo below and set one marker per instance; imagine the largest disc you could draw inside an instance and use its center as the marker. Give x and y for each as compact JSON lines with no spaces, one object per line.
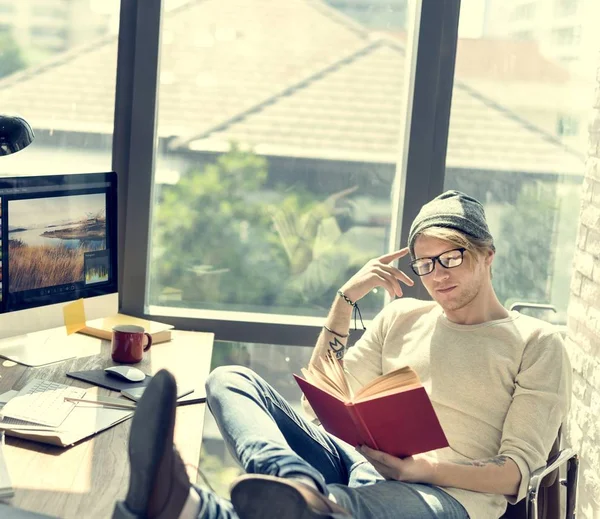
{"x":85,"y":480}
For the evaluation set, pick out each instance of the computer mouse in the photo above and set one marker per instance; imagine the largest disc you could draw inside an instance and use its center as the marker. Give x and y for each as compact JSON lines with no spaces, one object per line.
{"x":126,"y":373}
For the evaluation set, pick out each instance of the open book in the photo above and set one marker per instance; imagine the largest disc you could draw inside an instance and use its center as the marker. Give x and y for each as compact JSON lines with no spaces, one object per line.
{"x":392,"y":413}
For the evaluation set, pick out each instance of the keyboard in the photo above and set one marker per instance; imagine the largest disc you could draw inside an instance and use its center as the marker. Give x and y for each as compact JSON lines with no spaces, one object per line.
{"x":41,"y":402}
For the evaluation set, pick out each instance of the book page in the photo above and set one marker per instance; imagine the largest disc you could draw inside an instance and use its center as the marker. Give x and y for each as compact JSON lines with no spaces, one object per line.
{"x":319,"y":379}
{"x":334,"y":370}
{"x":328,"y":374}
{"x":394,"y":380}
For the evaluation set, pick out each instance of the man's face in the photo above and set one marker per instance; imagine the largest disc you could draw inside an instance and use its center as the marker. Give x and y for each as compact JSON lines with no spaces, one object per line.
{"x":453,"y":288}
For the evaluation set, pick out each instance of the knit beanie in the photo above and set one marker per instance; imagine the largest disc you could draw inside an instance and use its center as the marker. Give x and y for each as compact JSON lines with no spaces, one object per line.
{"x":451,"y":209}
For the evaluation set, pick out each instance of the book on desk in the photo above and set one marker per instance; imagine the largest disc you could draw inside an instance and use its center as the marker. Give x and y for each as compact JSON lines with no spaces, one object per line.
{"x":102,"y":328}
{"x":83,"y":421}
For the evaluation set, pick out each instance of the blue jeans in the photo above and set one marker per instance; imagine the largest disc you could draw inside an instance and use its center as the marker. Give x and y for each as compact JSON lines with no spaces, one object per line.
{"x":266,"y":436}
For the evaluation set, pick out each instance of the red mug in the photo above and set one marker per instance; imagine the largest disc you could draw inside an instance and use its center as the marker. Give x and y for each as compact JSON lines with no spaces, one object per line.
{"x":129,"y":342}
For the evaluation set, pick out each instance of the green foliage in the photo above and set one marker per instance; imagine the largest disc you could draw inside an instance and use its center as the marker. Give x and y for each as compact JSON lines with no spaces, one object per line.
{"x":221,"y":248}
{"x":225,"y":239}
{"x":11,"y":57}
{"x":523,"y":264}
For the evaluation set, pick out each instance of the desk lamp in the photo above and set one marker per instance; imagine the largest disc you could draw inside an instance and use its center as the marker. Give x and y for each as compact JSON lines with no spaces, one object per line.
{"x":15,"y":134}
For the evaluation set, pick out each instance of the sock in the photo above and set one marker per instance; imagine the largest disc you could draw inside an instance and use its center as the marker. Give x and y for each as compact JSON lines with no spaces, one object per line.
{"x":191,"y":508}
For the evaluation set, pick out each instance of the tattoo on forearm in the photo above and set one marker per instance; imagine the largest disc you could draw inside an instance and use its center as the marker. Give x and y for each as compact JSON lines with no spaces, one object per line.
{"x":499,"y":461}
{"x":337,"y":347}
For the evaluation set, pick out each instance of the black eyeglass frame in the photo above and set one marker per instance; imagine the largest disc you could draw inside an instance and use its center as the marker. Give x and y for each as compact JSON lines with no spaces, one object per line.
{"x":437,"y":258}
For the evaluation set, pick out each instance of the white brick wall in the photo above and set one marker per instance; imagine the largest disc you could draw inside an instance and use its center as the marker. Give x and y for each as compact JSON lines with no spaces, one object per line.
{"x":583,"y":339}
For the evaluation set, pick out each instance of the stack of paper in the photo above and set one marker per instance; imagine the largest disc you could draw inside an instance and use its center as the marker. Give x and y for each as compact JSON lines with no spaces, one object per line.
{"x":85,"y":420}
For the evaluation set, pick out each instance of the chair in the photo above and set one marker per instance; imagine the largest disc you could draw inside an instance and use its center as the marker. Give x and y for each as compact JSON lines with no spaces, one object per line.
{"x":543,"y":498}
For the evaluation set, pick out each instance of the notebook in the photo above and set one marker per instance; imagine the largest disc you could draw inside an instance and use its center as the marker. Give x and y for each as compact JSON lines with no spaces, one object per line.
{"x":84,"y":421}
{"x":102,"y":328}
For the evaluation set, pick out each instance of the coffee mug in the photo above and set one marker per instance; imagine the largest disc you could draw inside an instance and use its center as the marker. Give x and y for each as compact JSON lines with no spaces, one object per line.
{"x":129,"y":342}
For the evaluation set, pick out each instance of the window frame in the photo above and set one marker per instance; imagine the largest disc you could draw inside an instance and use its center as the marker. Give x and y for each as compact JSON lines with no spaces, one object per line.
{"x":419,"y":172}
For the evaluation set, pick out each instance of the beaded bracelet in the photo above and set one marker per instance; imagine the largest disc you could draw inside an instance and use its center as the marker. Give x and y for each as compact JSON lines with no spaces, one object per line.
{"x":346,"y":298}
{"x":356,"y":309}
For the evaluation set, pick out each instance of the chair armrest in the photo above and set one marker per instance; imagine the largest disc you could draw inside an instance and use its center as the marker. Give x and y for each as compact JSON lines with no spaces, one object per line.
{"x":537,"y":476}
{"x":519,"y":305}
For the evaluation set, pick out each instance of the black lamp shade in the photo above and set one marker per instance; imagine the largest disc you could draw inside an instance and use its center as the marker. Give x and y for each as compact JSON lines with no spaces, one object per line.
{"x":15,"y":134}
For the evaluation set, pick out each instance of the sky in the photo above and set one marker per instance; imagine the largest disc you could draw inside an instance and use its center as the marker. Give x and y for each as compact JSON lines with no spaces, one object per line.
{"x":28,"y":213}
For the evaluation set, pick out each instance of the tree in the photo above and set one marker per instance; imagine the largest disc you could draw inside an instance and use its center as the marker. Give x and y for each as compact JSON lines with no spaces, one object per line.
{"x":224,"y":239}
{"x":523,"y":267}
{"x":218,"y":242}
{"x":11,"y":57}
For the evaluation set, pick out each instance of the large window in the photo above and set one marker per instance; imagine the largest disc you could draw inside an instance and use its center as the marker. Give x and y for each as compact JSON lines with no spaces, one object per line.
{"x":506,"y":148}
{"x":279,"y":130}
{"x":58,"y":72}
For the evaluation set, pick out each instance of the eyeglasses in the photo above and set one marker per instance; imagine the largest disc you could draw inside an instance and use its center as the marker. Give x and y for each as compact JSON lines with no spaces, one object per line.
{"x":449,"y":259}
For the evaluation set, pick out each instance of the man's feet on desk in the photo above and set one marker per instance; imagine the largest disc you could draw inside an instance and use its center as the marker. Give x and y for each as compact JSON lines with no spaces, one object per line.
{"x":159,"y":487}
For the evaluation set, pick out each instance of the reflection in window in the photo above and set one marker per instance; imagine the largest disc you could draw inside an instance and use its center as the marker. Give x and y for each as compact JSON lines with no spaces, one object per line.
{"x":530,"y":184}
{"x":68,"y":102}
{"x":284,"y":144}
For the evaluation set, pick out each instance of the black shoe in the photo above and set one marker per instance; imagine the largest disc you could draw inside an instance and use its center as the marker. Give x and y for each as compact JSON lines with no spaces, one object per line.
{"x":158,"y":482}
{"x":256,"y":496}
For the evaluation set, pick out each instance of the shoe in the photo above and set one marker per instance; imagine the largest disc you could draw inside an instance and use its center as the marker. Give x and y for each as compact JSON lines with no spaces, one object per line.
{"x":256,"y":496}
{"x":158,"y":482}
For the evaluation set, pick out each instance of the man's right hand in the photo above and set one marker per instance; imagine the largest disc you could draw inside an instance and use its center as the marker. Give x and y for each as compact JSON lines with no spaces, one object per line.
{"x":378,"y":273}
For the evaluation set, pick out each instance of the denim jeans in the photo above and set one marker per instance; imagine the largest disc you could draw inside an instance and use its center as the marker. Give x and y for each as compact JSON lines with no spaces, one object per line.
{"x":266,"y":436}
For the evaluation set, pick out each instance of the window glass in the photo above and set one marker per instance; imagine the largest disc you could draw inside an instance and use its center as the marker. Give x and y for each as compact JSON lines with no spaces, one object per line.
{"x":515,"y":141}
{"x":279,"y":127}
{"x":57,"y":70}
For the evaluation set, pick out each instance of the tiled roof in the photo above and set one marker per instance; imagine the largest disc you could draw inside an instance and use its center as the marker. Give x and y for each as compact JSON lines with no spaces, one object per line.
{"x":287,"y":77}
{"x":218,"y":58}
{"x":351,"y":111}
{"x":500,"y":59}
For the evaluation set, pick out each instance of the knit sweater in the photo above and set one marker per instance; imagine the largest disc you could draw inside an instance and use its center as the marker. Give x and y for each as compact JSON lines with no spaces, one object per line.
{"x":498,"y":388}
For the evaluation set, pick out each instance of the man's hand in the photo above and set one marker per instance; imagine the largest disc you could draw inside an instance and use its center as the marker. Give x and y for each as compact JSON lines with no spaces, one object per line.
{"x":378,"y":273}
{"x":415,"y":469}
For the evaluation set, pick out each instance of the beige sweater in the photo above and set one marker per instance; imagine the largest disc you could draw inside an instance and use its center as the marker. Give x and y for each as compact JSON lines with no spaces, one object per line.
{"x":501,"y":387}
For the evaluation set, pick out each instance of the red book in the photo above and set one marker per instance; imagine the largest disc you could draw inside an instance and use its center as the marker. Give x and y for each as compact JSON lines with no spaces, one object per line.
{"x":393,"y":413}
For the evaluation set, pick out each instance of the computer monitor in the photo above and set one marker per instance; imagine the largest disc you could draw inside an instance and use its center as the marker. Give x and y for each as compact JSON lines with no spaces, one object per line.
{"x":58,"y":244}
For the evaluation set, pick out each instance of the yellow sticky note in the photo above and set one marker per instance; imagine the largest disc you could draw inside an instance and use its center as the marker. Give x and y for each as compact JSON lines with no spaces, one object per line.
{"x":74,"y":316}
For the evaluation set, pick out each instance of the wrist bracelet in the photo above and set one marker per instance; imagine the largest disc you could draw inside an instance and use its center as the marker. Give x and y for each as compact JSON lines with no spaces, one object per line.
{"x":336,"y":333}
{"x":346,"y":298}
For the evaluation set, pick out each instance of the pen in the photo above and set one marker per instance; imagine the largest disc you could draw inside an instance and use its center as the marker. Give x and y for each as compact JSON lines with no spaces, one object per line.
{"x":103,"y":401}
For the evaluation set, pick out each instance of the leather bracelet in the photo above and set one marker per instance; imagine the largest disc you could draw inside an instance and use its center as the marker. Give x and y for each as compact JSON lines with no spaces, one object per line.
{"x":336,"y":333}
{"x":346,"y":298}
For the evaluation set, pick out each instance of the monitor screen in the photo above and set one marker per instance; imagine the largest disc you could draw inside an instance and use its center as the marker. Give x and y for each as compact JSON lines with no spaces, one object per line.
{"x":58,"y":239}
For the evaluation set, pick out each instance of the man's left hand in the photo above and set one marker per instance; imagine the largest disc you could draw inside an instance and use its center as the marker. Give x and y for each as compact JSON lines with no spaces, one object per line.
{"x":416,"y":469}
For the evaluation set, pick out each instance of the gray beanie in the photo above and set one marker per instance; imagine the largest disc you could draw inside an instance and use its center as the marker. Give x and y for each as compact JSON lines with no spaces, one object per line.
{"x":451,"y":209}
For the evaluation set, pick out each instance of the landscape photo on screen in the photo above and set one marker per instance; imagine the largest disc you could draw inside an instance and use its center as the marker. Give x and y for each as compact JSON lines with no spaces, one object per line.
{"x":49,"y":238}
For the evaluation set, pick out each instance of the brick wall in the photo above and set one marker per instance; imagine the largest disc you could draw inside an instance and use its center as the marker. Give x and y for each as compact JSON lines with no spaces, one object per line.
{"x":583,"y":338}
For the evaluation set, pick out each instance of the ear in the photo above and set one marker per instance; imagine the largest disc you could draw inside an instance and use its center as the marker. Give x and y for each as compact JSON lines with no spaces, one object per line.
{"x":489,"y":257}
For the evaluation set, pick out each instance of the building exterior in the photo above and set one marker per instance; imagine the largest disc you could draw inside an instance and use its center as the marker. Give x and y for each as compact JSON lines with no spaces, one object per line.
{"x":50,"y":26}
{"x":566,"y":30}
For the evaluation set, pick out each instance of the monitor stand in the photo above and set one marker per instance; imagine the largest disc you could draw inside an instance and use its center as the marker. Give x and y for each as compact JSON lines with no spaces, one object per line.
{"x":47,"y":346}
{"x":37,"y":336}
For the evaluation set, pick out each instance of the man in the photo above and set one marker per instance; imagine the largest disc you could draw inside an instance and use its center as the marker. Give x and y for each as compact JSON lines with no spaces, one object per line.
{"x":500,"y":383}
